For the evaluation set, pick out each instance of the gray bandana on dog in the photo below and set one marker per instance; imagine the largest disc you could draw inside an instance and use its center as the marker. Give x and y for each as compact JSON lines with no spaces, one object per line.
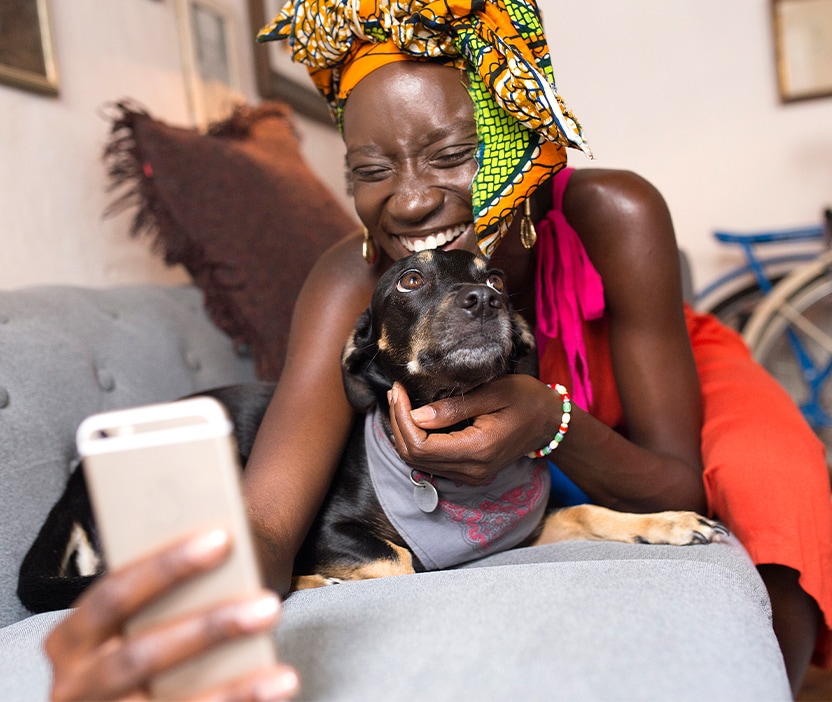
{"x":470,"y":521}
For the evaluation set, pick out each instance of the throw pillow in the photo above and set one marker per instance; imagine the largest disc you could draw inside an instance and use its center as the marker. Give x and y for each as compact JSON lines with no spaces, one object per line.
{"x":238,"y":207}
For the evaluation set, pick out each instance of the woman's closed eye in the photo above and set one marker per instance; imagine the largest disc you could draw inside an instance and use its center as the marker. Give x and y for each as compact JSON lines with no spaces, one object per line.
{"x":370,"y":173}
{"x":454,"y":156}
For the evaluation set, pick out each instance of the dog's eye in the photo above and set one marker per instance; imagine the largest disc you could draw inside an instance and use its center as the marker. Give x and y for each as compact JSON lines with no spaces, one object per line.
{"x":496,"y":282}
{"x":410,"y":281}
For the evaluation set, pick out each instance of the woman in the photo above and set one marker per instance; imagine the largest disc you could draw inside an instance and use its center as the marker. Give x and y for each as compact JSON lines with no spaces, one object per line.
{"x":655,"y":385}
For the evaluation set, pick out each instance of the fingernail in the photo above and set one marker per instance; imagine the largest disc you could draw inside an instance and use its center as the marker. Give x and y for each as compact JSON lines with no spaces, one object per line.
{"x":394,"y":394}
{"x":423,"y":414}
{"x":278,"y":686}
{"x":208,"y":544}
{"x":253,"y":615}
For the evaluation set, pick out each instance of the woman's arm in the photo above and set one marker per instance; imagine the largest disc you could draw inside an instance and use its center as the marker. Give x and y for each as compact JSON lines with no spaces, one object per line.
{"x":308,"y":421}
{"x":628,"y":234}
{"x":625,"y":225}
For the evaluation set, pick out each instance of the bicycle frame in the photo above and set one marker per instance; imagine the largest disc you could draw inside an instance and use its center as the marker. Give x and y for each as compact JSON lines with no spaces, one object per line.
{"x":757,"y":265}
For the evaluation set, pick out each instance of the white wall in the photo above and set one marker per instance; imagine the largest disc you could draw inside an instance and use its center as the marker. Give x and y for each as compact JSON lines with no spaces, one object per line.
{"x":683,"y":92}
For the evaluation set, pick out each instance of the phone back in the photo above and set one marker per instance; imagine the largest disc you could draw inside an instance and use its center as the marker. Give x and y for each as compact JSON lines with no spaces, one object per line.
{"x":159,"y":472}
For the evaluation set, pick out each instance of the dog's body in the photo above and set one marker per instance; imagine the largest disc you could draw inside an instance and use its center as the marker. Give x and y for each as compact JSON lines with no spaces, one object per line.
{"x":440,"y":324}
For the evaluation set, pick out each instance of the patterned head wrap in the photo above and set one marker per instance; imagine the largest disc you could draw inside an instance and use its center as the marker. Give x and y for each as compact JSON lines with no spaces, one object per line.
{"x":523,"y":125}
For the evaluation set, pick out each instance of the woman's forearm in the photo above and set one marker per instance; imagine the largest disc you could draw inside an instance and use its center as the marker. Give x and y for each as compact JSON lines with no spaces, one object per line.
{"x":617,"y":473}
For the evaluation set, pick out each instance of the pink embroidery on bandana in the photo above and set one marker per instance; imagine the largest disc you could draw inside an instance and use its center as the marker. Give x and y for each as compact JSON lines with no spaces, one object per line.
{"x":491,"y":519}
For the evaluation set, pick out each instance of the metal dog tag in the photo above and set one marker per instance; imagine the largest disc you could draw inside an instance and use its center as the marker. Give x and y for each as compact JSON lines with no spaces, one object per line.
{"x":424,"y":494}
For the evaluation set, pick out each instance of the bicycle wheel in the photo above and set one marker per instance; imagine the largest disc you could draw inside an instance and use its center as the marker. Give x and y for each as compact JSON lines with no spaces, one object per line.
{"x":735,"y":310}
{"x":791,"y":336}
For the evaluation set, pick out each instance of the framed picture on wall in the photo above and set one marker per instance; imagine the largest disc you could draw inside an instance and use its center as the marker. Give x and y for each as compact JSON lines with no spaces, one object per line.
{"x":803,"y":47}
{"x":26,"y":51}
{"x":278,"y":77}
{"x":212,"y":73}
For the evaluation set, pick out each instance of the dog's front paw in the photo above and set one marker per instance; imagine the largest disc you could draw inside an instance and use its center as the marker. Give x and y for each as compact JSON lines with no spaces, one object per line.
{"x":680,"y":529}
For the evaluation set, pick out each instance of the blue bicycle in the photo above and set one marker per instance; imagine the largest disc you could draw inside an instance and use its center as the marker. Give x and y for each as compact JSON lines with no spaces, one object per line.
{"x":782,"y":305}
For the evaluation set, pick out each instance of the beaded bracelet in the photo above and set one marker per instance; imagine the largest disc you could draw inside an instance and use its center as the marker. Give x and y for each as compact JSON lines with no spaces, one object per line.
{"x":566,"y":409}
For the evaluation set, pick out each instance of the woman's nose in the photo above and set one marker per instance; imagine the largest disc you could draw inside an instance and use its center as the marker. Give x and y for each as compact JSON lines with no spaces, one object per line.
{"x":414,"y":199}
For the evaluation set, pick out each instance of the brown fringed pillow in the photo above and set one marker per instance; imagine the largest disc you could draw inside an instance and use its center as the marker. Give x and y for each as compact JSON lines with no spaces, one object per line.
{"x":238,"y":207}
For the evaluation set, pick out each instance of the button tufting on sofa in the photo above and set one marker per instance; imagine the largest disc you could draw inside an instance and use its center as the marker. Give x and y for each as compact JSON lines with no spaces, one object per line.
{"x":192,"y":361}
{"x":4,"y":398}
{"x":105,"y":379}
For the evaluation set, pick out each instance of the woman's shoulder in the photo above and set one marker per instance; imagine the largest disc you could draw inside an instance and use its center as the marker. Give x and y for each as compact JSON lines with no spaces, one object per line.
{"x":624,"y":224}
{"x":342,"y":273}
{"x":605,"y":192}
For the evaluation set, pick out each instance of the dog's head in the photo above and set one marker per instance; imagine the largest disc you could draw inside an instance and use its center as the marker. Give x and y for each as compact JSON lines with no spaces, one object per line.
{"x":439,"y":323}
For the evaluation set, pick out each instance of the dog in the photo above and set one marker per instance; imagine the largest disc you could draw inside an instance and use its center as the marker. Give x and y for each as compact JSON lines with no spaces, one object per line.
{"x":441,"y":324}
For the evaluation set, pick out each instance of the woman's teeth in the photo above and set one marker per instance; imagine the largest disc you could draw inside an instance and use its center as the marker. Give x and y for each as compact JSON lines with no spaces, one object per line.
{"x":434,"y":241}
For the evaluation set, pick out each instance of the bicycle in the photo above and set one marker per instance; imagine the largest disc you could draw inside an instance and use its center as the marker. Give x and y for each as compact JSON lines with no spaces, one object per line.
{"x":785,"y":316}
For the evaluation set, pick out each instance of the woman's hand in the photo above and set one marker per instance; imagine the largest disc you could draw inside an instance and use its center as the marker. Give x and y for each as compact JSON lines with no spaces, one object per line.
{"x":92,"y":657}
{"x":512,"y":416}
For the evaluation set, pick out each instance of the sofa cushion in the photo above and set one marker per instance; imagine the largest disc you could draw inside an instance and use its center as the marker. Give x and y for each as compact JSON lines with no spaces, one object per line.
{"x":238,"y":207}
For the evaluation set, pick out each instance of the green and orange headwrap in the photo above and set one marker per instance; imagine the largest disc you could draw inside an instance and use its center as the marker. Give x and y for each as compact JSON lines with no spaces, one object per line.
{"x":523,"y":125}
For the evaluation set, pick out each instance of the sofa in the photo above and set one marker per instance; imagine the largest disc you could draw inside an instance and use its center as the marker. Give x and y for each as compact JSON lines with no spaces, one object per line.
{"x":239,"y":209}
{"x":571,"y":621}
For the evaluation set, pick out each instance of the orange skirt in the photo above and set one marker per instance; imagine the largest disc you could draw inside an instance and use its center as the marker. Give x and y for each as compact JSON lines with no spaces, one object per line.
{"x":765,"y":470}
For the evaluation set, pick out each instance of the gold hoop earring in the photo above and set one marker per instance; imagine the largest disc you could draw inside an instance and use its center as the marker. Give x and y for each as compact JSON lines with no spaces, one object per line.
{"x":368,"y":248}
{"x":528,"y":234}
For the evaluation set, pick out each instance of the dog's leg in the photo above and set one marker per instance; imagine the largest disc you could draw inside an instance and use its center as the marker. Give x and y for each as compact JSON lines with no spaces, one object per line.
{"x":400,"y":564}
{"x":595,"y":523}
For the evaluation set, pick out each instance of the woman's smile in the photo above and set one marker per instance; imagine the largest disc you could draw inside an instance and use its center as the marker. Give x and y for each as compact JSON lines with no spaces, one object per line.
{"x":436,"y":240}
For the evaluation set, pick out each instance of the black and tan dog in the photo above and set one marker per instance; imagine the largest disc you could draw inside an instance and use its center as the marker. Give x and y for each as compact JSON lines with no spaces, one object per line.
{"x":439,"y":323}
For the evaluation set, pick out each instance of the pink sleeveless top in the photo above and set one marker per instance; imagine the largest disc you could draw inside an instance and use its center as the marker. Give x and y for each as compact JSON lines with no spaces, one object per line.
{"x":572,"y":339}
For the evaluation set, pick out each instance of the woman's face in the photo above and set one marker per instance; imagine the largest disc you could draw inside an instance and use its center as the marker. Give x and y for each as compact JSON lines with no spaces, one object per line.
{"x":411,"y":139}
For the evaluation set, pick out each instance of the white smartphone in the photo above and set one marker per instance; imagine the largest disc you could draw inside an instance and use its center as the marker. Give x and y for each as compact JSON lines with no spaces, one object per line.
{"x":163,"y":471}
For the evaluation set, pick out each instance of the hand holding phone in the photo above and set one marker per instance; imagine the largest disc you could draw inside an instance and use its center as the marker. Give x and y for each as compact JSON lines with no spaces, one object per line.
{"x":157,"y":474}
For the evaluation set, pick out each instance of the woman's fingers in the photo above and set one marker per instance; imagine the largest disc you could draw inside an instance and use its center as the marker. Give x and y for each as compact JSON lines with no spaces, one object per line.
{"x":101,"y":612}
{"x":511,"y":416}
{"x":125,"y":664}
{"x":280,"y":682}
{"x":128,"y":663}
{"x":81,"y":647}
{"x":461,"y":455}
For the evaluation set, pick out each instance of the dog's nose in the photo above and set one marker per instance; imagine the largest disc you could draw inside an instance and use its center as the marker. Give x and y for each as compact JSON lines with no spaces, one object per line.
{"x":479,"y":301}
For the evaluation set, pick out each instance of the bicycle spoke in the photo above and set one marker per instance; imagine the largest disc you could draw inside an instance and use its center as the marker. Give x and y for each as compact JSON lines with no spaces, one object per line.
{"x":809,"y":328}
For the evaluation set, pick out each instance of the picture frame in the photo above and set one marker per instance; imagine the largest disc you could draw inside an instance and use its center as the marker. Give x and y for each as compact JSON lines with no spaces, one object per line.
{"x":210,"y":59}
{"x":277,"y":77}
{"x":27,"y":55}
{"x":803,"y":48}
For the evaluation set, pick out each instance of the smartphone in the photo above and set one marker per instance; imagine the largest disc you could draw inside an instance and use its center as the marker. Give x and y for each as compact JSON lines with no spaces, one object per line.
{"x":163,"y":471}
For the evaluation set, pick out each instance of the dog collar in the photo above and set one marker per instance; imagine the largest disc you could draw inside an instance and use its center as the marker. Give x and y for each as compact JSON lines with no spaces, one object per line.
{"x":469,"y":522}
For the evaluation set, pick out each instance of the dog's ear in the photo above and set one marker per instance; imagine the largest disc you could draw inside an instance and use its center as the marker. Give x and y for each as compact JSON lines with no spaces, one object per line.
{"x":364,"y":380}
{"x":524,"y":353}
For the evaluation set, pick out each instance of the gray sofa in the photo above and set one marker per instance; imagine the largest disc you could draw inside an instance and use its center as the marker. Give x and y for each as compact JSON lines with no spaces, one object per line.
{"x":572,"y":621}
